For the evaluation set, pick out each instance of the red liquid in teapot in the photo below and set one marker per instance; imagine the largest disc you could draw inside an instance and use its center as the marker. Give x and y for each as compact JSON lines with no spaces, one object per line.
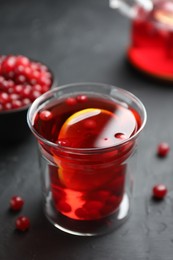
{"x":91,"y":186}
{"x":152,"y":40}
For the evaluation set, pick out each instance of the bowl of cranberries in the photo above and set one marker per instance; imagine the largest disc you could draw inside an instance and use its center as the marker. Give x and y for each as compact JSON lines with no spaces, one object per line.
{"x":22,"y":80}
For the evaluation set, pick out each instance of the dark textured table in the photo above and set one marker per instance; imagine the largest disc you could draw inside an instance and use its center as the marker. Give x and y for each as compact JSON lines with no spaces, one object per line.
{"x":85,"y":41}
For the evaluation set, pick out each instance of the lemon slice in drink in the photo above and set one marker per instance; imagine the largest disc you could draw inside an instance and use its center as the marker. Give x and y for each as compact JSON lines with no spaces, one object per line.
{"x":97,"y":128}
{"x":84,"y":128}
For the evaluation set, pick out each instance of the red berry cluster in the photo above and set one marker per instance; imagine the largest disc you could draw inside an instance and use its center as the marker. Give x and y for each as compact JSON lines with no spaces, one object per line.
{"x":22,"y":222}
{"x":21,"y":81}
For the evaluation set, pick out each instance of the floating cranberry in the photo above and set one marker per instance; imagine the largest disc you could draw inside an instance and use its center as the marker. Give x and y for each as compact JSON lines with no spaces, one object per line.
{"x":63,"y":206}
{"x":90,"y":210}
{"x":16,"y":203}
{"x":108,"y":209}
{"x":22,"y":223}
{"x":46,"y":115}
{"x":71,"y":101}
{"x":101,"y":195}
{"x":81,"y":213}
{"x":90,"y":205}
{"x":163,"y":149}
{"x":82,"y":98}
{"x":159,"y":191}
{"x":113,"y":200}
{"x":94,"y":214}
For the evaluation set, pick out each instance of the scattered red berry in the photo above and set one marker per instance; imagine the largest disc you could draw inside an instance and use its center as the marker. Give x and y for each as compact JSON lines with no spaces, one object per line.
{"x":21,"y":78}
{"x":22,"y":223}
{"x":16,"y":203}
{"x":159,"y":191}
{"x":163,"y":149}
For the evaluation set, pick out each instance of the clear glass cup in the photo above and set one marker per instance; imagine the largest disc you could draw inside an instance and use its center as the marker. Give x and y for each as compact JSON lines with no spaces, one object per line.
{"x":87,"y":135}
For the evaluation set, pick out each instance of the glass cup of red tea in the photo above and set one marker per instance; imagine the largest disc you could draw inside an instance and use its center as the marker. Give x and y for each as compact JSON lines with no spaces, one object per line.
{"x":87,"y":135}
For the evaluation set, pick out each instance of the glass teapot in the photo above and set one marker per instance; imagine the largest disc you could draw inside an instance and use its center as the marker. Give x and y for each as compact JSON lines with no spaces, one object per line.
{"x":151,"y":47}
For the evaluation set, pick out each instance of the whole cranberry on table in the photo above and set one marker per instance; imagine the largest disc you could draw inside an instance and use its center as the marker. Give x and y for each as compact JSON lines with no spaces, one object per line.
{"x":22,"y":80}
{"x":159,"y":191}
{"x":163,"y":149}
{"x":16,"y":203}
{"x":22,"y":223}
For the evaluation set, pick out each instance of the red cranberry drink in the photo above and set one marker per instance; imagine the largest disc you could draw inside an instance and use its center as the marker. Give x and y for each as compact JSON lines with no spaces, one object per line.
{"x":152,"y":39}
{"x":87,"y":139}
{"x":84,"y":121}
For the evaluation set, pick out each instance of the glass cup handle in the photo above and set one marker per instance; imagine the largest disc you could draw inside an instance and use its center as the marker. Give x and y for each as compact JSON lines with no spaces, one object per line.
{"x":127,"y":7}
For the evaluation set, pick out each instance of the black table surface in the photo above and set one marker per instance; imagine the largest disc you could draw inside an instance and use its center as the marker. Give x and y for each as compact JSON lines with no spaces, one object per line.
{"x":85,"y":41}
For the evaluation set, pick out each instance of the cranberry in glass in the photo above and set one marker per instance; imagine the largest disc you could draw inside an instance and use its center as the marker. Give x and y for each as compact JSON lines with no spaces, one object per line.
{"x":45,"y":115}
